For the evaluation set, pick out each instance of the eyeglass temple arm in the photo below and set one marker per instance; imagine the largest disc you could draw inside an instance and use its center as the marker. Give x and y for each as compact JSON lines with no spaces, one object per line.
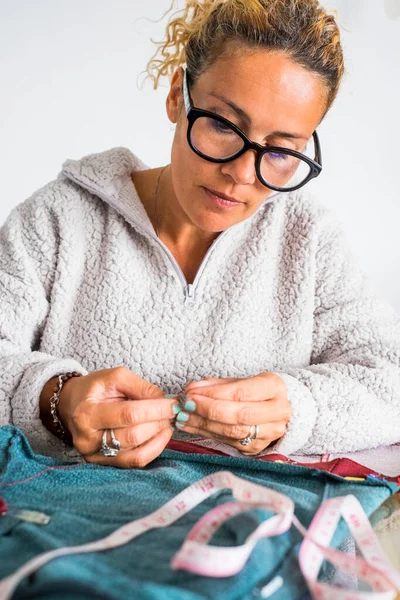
{"x":318,"y":157}
{"x":185,"y":90}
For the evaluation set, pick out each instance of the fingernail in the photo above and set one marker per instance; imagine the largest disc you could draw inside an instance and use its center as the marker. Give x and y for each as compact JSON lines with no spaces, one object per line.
{"x":176,"y":408}
{"x":182,"y":416}
{"x":179,"y":425}
{"x":170,"y":396}
{"x":190,"y":406}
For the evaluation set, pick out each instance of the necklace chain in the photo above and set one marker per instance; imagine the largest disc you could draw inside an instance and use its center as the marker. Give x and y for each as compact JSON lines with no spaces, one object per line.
{"x":156,"y":199}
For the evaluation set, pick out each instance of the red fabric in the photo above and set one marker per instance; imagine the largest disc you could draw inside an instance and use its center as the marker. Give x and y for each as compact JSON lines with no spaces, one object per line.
{"x":339,"y":466}
{"x":3,"y":507}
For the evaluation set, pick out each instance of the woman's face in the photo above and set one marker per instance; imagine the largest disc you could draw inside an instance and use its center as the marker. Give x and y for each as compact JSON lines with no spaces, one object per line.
{"x":271,"y":99}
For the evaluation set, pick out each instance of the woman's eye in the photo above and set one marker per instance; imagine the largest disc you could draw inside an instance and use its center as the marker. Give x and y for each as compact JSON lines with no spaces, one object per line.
{"x":277,"y":156}
{"x":222,"y":127}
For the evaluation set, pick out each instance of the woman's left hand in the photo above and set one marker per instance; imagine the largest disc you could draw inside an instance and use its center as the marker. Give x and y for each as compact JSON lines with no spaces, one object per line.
{"x":225,"y":410}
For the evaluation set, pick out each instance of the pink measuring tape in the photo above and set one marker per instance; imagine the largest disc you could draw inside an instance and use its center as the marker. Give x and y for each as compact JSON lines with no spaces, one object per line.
{"x":197,"y":556}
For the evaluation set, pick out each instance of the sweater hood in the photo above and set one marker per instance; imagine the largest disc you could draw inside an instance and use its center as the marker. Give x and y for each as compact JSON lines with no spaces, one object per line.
{"x":108,"y":176}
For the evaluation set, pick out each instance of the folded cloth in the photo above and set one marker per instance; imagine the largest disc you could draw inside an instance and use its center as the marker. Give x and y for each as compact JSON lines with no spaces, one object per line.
{"x":87,"y":502}
{"x":384,"y":459}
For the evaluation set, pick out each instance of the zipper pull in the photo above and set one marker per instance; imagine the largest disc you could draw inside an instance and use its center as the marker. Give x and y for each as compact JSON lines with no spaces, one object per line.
{"x":30,"y":516}
{"x":189,"y":294}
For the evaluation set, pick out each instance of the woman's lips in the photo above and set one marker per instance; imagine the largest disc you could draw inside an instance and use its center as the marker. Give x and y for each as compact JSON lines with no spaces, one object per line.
{"x":221,"y":201}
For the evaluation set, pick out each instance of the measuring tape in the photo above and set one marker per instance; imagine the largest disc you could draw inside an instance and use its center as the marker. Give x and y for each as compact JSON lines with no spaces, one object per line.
{"x":197,"y":556}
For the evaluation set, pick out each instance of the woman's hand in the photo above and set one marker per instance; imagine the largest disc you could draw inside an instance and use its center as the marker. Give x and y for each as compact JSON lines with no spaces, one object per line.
{"x":136,"y":410}
{"x":225,"y":409}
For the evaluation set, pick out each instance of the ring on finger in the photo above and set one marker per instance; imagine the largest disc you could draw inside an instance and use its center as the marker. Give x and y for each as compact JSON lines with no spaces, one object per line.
{"x":114,"y":440}
{"x":252,"y":435}
{"x":105,"y":449}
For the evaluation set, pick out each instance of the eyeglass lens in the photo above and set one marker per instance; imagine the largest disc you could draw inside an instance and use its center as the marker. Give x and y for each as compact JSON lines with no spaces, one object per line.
{"x":217,"y":140}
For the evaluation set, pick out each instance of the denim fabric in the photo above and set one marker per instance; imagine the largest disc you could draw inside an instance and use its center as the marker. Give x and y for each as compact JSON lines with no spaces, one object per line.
{"x":88,"y":502}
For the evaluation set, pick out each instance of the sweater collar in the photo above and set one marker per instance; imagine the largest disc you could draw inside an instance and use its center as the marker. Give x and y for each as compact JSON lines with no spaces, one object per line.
{"x":108,"y":176}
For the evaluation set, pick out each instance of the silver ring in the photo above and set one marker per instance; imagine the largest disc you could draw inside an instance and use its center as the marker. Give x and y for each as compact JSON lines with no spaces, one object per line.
{"x":253,"y":433}
{"x":105,"y":449}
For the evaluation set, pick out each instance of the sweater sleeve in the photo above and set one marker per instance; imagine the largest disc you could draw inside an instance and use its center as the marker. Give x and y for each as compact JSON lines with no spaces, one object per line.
{"x":348,"y":399}
{"x":28,"y":261}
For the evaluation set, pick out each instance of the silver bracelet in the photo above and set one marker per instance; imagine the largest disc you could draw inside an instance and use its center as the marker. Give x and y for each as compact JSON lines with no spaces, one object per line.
{"x":54,"y":400}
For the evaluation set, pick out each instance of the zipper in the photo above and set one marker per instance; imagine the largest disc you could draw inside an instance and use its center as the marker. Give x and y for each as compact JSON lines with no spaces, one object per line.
{"x":188,"y":288}
{"x":189,"y":294}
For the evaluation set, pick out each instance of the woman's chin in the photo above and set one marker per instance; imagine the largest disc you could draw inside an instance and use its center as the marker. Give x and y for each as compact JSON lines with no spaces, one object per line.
{"x":210,"y":219}
{"x":211,"y":223}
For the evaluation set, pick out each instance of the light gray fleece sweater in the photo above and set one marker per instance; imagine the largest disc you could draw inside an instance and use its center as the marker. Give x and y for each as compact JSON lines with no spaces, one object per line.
{"x":85,"y":284}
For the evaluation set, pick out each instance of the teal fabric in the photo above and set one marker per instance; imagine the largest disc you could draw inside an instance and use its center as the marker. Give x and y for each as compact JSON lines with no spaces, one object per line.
{"x":88,"y":502}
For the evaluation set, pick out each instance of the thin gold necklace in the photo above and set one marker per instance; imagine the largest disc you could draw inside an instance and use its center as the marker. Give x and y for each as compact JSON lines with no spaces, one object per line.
{"x":156,"y":198}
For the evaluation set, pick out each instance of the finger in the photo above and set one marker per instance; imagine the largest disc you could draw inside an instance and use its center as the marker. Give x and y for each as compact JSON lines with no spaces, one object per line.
{"x":128,"y":384}
{"x":208,"y":382}
{"x":261,"y":387}
{"x":129,"y":413}
{"x":235,"y":433}
{"x":132,"y":437}
{"x":255,"y":447}
{"x":128,"y":437}
{"x":138,"y":457}
{"x":236,"y":413}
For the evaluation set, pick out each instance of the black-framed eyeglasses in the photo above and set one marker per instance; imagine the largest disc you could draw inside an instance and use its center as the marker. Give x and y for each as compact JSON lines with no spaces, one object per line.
{"x":218,"y":140}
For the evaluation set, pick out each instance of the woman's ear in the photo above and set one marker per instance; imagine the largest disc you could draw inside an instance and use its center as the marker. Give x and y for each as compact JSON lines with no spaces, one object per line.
{"x":175,"y":98}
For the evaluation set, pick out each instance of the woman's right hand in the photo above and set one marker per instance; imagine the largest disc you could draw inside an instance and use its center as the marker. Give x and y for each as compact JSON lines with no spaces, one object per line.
{"x":135,"y":409}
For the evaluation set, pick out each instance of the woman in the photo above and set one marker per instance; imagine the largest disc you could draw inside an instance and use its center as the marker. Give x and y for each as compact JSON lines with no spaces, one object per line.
{"x":215,"y":276}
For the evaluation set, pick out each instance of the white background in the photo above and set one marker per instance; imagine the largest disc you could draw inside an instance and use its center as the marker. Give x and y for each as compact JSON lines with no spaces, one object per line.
{"x":68,"y":76}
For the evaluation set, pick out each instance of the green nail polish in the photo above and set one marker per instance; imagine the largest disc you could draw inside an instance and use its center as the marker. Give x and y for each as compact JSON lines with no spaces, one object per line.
{"x":176,"y":408}
{"x":190,"y":405}
{"x":170,"y":396}
{"x":182,"y":416}
{"x":179,"y":425}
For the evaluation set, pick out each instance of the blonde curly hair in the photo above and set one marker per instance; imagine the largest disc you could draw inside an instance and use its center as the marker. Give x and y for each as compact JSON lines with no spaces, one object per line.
{"x":206,"y":30}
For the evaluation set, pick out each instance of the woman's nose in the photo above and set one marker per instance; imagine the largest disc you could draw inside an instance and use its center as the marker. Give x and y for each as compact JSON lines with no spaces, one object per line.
{"x":242,"y":169}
